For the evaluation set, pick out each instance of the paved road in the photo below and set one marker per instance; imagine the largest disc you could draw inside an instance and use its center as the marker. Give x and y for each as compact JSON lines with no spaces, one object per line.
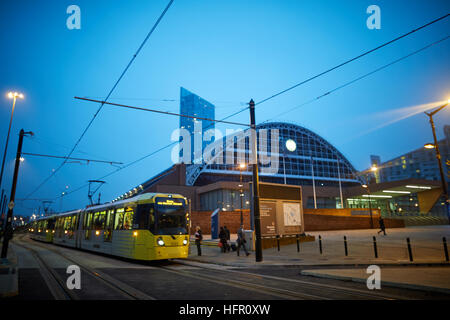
{"x":42,"y":275}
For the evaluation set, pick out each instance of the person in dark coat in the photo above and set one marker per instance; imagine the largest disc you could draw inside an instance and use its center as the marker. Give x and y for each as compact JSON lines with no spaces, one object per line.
{"x":223,"y":239}
{"x":382,"y":226}
{"x":198,"y":240}
{"x":241,"y":240}
{"x":228,"y":238}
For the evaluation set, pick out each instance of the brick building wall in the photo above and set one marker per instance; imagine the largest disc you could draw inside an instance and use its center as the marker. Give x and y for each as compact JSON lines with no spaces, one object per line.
{"x":231,"y":219}
{"x":315,"y":222}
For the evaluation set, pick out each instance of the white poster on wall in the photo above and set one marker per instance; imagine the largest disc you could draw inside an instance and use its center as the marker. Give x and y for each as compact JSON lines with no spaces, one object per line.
{"x":291,"y":212}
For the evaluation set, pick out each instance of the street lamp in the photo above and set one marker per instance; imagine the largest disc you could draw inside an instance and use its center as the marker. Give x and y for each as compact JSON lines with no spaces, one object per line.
{"x":365,"y":186}
{"x":14,"y":96}
{"x":242,"y":166}
{"x":438,"y":156}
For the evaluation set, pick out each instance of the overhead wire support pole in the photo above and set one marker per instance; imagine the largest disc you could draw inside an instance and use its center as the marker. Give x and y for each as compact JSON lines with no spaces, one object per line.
{"x":256,"y":213}
{"x":8,"y":226}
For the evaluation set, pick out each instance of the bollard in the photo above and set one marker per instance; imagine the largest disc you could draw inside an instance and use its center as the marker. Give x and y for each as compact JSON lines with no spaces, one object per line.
{"x":409,"y":249}
{"x":445,"y":248}
{"x":345,"y":246}
{"x":375,"y":247}
{"x":298,"y":243}
{"x":320,"y":244}
{"x":278,"y":242}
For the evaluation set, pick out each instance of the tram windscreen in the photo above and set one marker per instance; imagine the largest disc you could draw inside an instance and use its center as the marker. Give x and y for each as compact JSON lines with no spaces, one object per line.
{"x":170,"y":216}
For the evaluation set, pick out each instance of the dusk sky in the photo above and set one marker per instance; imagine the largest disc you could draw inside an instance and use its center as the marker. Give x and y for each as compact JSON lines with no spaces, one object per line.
{"x":227,"y":52}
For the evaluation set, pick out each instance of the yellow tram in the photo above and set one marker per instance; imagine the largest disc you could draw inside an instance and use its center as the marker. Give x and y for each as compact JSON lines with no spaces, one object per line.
{"x":43,"y":229}
{"x":151,"y":226}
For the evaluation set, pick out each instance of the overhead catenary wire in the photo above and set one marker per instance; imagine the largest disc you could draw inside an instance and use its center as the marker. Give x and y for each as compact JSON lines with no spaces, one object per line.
{"x":360,"y":78}
{"x":61,"y":157}
{"x":303,"y":104}
{"x":351,"y":60}
{"x":163,"y":112}
{"x":106,"y":99}
{"x":148,"y":155}
{"x":288,"y":89}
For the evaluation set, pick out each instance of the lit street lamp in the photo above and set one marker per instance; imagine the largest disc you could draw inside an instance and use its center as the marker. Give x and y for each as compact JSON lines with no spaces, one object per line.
{"x":14,"y":96}
{"x":374,"y":168}
{"x":438,"y":156}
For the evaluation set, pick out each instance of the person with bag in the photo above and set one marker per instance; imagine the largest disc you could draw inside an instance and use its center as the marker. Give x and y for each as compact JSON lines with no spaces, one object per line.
{"x":223,"y":240}
{"x":241,"y":240}
{"x":198,"y":240}
{"x":228,"y":238}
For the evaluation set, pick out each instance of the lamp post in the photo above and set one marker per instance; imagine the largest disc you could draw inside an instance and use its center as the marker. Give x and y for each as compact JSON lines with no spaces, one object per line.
{"x":438,"y":156}
{"x":366,"y":186}
{"x":370,"y":206}
{"x":242,"y":166}
{"x":291,"y":146}
{"x":14,"y":96}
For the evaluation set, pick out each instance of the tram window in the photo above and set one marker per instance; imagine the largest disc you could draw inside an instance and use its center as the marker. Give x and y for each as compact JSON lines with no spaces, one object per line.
{"x":109,"y":219}
{"x":88,"y":220}
{"x":51,"y":224}
{"x":99,"y":220}
{"x":128,"y":220}
{"x":146,"y":217}
{"x":118,"y":219}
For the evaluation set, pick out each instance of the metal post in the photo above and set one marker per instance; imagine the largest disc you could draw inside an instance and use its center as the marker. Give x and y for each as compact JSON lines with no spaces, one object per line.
{"x":438,"y":157}
{"x":320,"y":244}
{"x":284,"y":163}
{"x":241,"y":195}
{"x":345,"y":246}
{"x":340,"y":184}
{"x":314,"y":183}
{"x":7,"y":139}
{"x":409,"y":249}
{"x":8,"y":227}
{"x":444,"y":241}
{"x":257,"y":217}
{"x":370,"y":208}
{"x":278,"y":242}
{"x":375,"y":247}
{"x":298,"y":243}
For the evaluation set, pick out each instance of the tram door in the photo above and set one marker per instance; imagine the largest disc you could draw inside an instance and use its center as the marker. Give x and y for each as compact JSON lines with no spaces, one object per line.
{"x":78,"y":233}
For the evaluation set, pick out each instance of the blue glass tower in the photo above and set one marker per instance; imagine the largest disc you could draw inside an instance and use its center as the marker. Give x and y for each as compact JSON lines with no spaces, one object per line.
{"x":193,"y":105}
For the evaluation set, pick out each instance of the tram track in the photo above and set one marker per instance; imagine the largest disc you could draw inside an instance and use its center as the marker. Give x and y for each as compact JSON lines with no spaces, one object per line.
{"x":120,"y":287}
{"x":234,"y":278}
{"x":351,"y":292}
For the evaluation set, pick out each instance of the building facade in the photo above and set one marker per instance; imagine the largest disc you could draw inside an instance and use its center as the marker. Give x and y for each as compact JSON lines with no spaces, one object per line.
{"x":195,"y":106}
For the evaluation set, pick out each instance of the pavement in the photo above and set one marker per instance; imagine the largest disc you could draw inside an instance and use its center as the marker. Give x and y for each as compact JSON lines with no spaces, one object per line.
{"x":9,"y":275}
{"x":429,"y":269}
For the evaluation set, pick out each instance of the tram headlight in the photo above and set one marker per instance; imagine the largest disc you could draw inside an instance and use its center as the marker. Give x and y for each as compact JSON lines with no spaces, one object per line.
{"x":185,"y":242}
{"x":160,"y":242}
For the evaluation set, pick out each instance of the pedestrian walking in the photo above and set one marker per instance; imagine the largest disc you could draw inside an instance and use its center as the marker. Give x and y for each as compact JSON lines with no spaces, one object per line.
{"x":228,"y":238}
{"x":241,"y":240}
{"x":223,"y":239}
{"x":382,"y":226}
{"x":198,"y":239}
